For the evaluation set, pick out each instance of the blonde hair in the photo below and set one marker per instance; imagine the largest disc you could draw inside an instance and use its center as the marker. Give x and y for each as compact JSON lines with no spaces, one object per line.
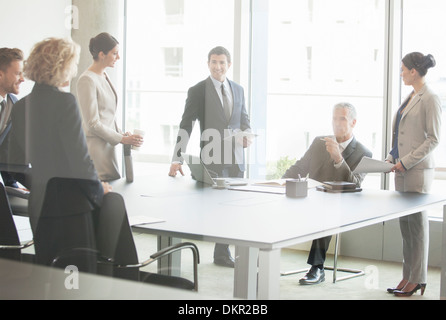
{"x":53,"y":62}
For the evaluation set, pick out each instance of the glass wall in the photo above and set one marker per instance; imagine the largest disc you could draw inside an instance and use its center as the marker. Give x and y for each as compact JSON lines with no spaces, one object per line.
{"x":167,"y":46}
{"x":423,"y":31}
{"x":323,"y":52}
{"x":318,"y":53}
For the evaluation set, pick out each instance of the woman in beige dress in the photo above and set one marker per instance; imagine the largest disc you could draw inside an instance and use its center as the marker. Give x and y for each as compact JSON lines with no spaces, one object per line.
{"x":98,"y":103}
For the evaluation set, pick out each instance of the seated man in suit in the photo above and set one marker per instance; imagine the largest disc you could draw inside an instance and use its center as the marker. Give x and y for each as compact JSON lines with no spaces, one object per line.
{"x":11,"y":77}
{"x":330,"y":159}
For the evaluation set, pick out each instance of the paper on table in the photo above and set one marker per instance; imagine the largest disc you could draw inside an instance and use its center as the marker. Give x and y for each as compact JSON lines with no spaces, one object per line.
{"x":369,"y":165}
{"x":141,"y":220}
{"x":282,"y":183}
{"x":241,"y":135}
{"x":273,"y":188}
{"x":262,"y":189}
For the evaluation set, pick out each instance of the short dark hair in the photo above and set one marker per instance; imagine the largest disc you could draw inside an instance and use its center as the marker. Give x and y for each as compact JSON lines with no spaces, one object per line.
{"x":219,"y":51}
{"x":8,"y":55}
{"x":419,"y":62}
{"x":103,"y":42}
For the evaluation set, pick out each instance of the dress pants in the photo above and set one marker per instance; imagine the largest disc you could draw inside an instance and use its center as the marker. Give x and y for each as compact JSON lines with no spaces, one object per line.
{"x":318,"y":251}
{"x":415,"y":233}
{"x":415,"y":228}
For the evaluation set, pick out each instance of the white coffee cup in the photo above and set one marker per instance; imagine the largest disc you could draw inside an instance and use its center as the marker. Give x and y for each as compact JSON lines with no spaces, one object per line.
{"x":140,"y":133}
{"x":220,"y":183}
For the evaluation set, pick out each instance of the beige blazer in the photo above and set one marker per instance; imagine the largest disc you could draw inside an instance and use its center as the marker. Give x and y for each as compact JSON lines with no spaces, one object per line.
{"x":418,"y":136}
{"x":98,"y":103}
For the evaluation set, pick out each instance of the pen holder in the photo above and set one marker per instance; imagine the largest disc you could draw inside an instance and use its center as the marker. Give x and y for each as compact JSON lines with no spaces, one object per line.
{"x":296,"y":188}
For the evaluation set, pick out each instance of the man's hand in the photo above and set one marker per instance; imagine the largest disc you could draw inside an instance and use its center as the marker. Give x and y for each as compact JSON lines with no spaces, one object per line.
{"x":247,"y":142}
{"x":174,"y":168}
{"x":333,"y":149}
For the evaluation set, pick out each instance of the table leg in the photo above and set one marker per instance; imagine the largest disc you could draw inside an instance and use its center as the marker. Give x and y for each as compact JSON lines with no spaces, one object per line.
{"x":443,"y":259}
{"x":269,"y":275}
{"x":245,"y":273}
{"x":170,"y":265}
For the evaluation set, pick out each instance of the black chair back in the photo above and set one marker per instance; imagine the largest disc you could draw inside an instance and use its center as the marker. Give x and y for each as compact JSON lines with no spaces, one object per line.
{"x":115,"y":239}
{"x":8,"y":230}
{"x":65,"y":233}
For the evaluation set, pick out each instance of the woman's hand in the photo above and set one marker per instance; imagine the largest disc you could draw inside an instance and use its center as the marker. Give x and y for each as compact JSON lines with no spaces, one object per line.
{"x":399,"y":168}
{"x":133,"y":139}
{"x":107,"y":188}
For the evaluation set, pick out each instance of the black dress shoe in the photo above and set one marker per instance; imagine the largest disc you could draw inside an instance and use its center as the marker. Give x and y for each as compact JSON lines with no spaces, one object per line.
{"x":314,"y":276}
{"x":225,"y":261}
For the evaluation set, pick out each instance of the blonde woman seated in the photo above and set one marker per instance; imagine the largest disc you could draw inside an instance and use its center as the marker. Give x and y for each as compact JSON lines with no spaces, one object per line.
{"x":98,"y":101}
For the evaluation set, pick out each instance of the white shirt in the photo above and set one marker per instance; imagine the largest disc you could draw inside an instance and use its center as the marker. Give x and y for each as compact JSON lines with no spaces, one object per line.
{"x":228,"y":91}
{"x":342,"y":147}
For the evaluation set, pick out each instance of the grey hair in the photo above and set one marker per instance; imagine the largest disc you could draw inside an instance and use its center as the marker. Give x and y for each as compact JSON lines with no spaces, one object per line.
{"x":351,"y":109}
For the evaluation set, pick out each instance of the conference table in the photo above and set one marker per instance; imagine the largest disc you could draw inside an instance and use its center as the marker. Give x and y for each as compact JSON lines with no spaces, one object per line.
{"x":260,"y":224}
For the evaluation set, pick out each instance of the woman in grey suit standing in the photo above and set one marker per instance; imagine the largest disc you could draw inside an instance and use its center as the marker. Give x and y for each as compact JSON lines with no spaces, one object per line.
{"x":98,"y":102}
{"x":416,"y":133}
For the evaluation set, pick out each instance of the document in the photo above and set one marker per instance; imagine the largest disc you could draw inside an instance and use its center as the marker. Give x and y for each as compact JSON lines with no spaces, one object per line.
{"x":242,"y":134}
{"x":18,"y":192}
{"x":264,"y":189}
{"x":141,"y":220}
{"x":282,"y":183}
{"x":272,"y":183}
{"x":369,"y":165}
{"x":277,"y":186}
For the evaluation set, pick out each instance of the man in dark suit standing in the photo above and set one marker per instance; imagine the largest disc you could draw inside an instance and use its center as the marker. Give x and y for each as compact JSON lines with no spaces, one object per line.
{"x":330,"y":159}
{"x":219,"y":105}
{"x":11,"y":77}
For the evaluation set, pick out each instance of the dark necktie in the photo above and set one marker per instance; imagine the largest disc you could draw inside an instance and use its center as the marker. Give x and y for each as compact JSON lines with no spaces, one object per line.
{"x":226,"y":104}
{"x":2,"y":110}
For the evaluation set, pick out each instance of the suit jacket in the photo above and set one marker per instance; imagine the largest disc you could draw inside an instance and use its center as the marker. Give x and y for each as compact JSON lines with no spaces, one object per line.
{"x":47,"y":132}
{"x":318,"y":164}
{"x":418,"y":135}
{"x":4,"y":132}
{"x":203,"y":104}
{"x":8,"y":178}
{"x":98,"y":103}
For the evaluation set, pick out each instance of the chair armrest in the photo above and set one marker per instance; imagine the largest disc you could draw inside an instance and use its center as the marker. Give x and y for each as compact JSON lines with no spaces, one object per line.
{"x":169,"y":250}
{"x":17,"y":247}
{"x":165,"y":252}
{"x":177,"y":247}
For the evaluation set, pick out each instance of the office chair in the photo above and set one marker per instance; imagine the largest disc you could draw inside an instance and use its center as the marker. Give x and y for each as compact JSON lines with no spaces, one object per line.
{"x":71,"y":231}
{"x":115,"y":240}
{"x":10,"y":245}
{"x":64,"y":232}
{"x":354,"y":272}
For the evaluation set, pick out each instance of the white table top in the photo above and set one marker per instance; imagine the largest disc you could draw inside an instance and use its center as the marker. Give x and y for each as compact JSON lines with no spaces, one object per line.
{"x":261,"y":220}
